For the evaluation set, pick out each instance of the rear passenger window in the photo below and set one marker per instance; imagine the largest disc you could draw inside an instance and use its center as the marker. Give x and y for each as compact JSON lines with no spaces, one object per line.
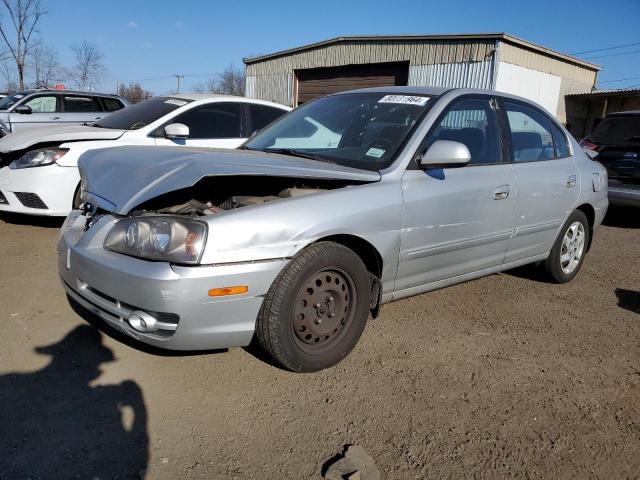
{"x":217,"y":120}
{"x":111,"y":104}
{"x":531,"y":137}
{"x":560,"y":142}
{"x":474,"y":123}
{"x":261,"y":116}
{"x":80,"y":105}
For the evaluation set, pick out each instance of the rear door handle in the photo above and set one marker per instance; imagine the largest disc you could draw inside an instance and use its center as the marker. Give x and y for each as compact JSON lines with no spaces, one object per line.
{"x":97,"y":118}
{"x":501,"y":192}
{"x":571,"y":181}
{"x":55,"y":118}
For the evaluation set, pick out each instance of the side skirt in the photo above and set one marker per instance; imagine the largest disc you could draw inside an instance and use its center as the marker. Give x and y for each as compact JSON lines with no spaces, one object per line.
{"x":408,"y":292}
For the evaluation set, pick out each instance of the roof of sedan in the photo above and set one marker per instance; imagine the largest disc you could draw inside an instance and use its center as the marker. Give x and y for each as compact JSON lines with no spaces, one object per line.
{"x":235,"y":98}
{"x":432,"y":91}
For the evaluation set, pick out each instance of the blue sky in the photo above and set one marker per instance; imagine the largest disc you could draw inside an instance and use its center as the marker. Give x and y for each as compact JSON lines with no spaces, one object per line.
{"x":150,"y":41}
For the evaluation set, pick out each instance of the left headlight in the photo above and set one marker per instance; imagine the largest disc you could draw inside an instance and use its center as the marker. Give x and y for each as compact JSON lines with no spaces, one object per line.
{"x":163,"y":238}
{"x":38,"y":158}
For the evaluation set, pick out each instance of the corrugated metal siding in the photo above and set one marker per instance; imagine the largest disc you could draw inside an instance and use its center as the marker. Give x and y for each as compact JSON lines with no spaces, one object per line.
{"x":274,"y":88}
{"x":543,"y":63}
{"x":350,"y":52}
{"x":462,"y":74}
{"x":568,"y":87}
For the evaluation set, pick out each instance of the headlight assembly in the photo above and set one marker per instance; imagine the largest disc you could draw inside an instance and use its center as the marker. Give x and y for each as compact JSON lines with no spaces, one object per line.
{"x":163,"y":238}
{"x":38,"y":158}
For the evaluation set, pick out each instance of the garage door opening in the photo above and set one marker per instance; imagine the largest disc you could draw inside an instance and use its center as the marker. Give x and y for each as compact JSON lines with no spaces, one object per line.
{"x":316,"y":82}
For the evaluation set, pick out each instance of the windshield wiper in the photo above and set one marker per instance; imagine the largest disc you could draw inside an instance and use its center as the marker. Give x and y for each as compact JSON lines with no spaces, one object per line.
{"x":633,"y":138}
{"x":295,"y":153}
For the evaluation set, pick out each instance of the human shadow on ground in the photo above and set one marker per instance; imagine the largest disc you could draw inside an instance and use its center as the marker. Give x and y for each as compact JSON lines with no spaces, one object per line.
{"x":628,"y":299}
{"x":35,"y":221}
{"x":53,"y":424}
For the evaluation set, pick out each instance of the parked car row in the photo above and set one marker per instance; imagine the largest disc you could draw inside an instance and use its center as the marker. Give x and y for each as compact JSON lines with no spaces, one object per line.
{"x":297,"y":237}
{"x":40,"y":174}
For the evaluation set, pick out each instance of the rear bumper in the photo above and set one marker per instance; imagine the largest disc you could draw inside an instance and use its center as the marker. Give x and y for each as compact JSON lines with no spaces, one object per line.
{"x":624,"y":196}
{"x":51,"y":188}
{"x":112,"y":286}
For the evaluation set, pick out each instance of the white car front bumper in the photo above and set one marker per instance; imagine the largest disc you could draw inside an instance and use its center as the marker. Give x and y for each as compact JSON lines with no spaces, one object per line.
{"x":38,"y":191}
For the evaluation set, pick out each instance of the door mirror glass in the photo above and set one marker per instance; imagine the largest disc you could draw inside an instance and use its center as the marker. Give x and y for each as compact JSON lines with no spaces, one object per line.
{"x":176,"y":130}
{"x":23,"y":109}
{"x":445,"y":154}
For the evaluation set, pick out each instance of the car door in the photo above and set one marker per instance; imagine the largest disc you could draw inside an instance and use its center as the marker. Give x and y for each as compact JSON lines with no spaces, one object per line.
{"x":546,"y":176}
{"x":79,"y":109}
{"x":458,"y":220}
{"x":45,"y":110}
{"x":218,"y":124}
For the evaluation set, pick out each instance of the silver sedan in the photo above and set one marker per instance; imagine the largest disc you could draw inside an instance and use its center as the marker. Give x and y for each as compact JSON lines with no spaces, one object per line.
{"x":348,"y":202}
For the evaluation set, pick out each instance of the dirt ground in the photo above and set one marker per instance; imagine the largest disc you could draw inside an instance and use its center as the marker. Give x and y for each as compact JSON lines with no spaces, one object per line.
{"x":506,"y":376}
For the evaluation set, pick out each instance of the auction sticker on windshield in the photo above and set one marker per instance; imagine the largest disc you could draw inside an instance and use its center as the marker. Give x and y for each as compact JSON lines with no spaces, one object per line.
{"x":405,"y":99}
{"x":173,"y":101}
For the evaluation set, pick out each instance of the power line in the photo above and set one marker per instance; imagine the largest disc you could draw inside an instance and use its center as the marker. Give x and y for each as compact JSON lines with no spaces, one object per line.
{"x":612,"y":54}
{"x":607,"y":48}
{"x":619,"y":80}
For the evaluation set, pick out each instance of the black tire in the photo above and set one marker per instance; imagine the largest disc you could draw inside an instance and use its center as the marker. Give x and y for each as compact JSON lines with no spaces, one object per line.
{"x":316,"y":308}
{"x":554,"y":264}
{"x":77,"y":199}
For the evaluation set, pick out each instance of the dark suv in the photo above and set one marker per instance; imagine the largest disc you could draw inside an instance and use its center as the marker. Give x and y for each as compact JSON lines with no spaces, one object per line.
{"x":616,"y":140}
{"x":45,"y":107}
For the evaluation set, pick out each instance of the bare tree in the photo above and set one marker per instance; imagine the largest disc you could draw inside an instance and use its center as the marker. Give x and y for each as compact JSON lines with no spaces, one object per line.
{"x":88,"y":66}
{"x":18,"y":35}
{"x":231,"y":81}
{"x":208,"y":86}
{"x":134,"y":92}
{"x":10,"y":82}
{"x":45,"y":66}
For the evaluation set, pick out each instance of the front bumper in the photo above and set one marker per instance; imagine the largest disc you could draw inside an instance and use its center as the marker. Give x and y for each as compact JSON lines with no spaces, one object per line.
{"x":628,"y":195}
{"x":112,"y":285}
{"x":44,"y":191}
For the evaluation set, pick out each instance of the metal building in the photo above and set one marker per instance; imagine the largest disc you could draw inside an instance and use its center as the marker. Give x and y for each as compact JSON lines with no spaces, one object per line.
{"x":491,"y":61}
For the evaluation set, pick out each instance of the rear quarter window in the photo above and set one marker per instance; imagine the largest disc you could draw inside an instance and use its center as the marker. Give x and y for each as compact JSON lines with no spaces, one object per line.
{"x":112,"y":104}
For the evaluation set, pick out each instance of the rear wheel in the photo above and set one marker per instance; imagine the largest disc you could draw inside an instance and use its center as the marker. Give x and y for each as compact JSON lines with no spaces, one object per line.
{"x":567,"y":255}
{"x":316,"y":309}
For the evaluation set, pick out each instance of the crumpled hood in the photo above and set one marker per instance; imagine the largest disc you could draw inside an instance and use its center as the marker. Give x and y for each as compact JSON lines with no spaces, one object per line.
{"x":30,"y":136}
{"x":129,"y":176}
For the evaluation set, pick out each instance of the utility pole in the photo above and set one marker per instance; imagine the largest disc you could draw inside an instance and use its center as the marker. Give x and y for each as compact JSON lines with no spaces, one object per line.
{"x":178,"y":77}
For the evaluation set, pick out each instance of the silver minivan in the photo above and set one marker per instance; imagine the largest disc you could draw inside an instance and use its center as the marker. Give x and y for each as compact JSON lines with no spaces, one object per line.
{"x":43,"y":107}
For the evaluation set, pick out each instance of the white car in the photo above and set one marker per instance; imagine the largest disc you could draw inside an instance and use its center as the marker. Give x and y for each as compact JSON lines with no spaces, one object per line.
{"x":40,"y":174}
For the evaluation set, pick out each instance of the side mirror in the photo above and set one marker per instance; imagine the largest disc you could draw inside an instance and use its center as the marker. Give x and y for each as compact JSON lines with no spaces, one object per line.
{"x":23,"y":109}
{"x":445,"y":154}
{"x":176,"y":131}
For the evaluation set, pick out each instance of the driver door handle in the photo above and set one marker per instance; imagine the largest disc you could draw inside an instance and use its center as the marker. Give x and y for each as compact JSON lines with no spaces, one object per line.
{"x":55,"y":118}
{"x":501,"y":192}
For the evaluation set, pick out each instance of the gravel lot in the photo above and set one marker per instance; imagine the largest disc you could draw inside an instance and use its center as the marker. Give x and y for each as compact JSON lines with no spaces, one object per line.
{"x":503,"y":376}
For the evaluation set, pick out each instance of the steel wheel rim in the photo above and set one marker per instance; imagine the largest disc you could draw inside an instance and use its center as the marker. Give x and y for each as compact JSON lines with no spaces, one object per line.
{"x":572,"y":247}
{"x":324,"y":309}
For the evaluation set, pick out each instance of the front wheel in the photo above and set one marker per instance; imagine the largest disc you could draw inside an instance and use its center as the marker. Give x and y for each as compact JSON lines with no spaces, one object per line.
{"x":567,"y":255}
{"x":316,"y":309}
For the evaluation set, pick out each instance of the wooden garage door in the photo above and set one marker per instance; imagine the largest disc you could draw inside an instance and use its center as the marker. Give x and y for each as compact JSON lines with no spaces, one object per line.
{"x":316,"y":82}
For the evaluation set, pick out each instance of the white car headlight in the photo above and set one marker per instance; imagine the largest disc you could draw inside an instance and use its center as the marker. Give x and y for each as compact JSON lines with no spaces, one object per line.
{"x":38,"y":158}
{"x":164,"y":238}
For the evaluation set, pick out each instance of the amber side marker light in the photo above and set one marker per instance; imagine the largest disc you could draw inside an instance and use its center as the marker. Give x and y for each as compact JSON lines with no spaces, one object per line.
{"x":224,"y":291}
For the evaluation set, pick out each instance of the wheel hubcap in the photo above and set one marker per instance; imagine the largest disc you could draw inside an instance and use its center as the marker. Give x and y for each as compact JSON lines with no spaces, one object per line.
{"x":323,"y":309}
{"x":572,"y":247}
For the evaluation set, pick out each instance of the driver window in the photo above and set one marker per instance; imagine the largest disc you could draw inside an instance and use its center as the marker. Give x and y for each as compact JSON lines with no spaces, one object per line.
{"x":474,"y":123}
{"x":42,"y":104}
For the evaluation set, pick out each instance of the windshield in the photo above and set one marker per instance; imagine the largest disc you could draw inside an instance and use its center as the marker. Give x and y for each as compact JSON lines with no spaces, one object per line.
{"x":618,"y":129}
{"x":10,"y":100}
{"x":359,"y":130}
{"x":141,"y":114}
